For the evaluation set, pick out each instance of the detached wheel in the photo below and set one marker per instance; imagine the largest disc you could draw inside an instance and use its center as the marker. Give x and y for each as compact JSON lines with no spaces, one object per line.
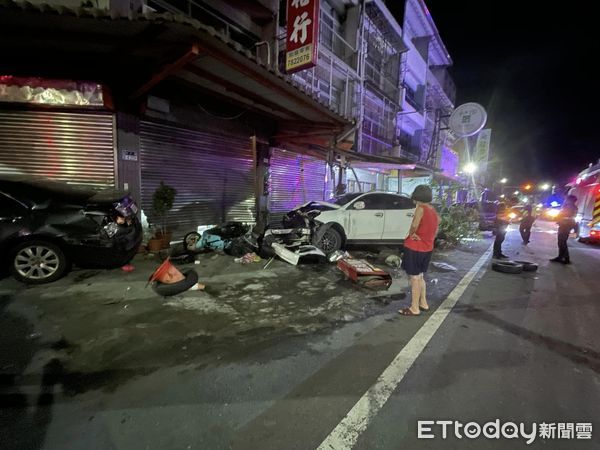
{"x":331,"y":241}
{"x":190,"y":242}
{"x":38,"y":262}
{"x":166,"y":290}
{"x":528,"y":266}
{"x":507,"y":267}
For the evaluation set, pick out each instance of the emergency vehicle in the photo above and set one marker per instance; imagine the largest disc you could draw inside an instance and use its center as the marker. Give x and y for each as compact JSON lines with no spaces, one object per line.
{"x":586,"y":188}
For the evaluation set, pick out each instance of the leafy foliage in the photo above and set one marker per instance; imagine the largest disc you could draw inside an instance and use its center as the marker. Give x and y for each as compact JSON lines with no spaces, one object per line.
{"x":457,"y":223}
{"x":162,"y":203}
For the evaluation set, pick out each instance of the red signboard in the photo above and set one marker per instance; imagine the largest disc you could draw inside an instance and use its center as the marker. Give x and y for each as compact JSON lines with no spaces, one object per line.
{"x":302,"y":34}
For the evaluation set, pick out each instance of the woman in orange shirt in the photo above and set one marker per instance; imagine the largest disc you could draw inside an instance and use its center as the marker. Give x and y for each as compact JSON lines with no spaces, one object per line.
{"x":418,"y":247}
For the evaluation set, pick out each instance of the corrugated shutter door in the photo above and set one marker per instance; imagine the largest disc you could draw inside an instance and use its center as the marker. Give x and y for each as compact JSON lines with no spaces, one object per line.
{"x":295,"y":179}
{"x":213,"y":175}
{"x":71,"y":147}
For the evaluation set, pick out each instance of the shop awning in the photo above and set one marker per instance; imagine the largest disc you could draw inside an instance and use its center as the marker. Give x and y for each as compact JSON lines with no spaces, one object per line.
{"x":135,"y":52}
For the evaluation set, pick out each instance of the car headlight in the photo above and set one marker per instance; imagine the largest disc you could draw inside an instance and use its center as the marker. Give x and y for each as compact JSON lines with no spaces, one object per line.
{"x":553,"y":213}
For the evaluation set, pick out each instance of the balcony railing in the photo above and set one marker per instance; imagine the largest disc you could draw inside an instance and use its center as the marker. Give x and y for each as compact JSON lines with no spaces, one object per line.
{"x":411,"y":97}
{"x":379,"y":80}
{"x":444,"y":80}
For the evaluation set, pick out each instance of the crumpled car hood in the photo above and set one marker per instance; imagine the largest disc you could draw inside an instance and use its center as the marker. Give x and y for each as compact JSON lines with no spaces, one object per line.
{"x":318,"y":202}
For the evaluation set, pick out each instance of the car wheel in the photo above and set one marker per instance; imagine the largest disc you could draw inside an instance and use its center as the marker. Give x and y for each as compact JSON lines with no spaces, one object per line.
{"x":331,"y":241}
{"x":38,"y":262}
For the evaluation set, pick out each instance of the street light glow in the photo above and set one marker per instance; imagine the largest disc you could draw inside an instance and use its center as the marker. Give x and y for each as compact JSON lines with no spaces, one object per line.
{"x":545,"y":187}
{"x":516,"y":192}
{"x":503,"y":180}
{"x":527,"y":187}
{"x":470,"y":167}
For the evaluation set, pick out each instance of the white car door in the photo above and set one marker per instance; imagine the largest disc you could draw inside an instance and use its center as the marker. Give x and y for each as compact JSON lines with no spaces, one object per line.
{"x":399,"y":212}
{"x":366,"y":218}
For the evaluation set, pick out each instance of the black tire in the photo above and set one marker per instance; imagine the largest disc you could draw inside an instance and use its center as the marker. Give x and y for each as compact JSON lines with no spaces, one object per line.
{"x":528,"y":266}
{"x":189,"y":240}
{"x":331,"y":241}
{"x":507,"y":267}
{"x":38,"y":262}
{"x":166,"y":290}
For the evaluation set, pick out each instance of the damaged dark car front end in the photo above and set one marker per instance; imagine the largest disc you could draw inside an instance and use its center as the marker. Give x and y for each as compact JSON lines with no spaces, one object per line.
{"x":47,"y":226}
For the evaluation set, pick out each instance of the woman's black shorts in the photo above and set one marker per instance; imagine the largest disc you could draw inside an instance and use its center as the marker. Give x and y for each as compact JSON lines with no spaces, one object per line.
{"x":415,"y":263}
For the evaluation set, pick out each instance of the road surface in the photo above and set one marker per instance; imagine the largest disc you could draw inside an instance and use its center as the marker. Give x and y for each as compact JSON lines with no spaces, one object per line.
{"x":501,"y":349}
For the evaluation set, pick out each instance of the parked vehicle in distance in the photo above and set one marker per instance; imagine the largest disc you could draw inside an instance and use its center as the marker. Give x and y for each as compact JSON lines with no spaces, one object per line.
{"x":46,"y":226}
{"x":487,"y":213}
{"x":515,"y":213}
{"x":359,"y":218}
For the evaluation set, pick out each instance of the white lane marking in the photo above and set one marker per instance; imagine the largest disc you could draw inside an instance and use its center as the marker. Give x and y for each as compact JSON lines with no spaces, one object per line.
{"x":346,"y":433}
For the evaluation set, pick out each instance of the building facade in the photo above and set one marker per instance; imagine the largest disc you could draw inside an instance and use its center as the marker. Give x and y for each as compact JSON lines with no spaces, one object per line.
{"x":194,"y":93}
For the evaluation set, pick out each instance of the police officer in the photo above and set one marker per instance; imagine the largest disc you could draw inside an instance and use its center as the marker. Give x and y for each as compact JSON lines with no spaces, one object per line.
{"x":566,"y":222}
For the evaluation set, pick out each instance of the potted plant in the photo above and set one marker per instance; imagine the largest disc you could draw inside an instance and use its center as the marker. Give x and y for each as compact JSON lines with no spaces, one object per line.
{"x":162,"y":203}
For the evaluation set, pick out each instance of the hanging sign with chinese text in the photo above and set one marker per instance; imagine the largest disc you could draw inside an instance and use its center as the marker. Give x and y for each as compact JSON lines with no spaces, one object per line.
{"x":302,"y":34}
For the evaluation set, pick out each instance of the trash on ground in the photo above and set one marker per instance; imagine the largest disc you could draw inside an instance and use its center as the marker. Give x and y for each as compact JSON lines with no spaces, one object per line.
{"x":393,"y":261}
{"x":248,"y":258}
{"x":364,"y":273}
{"x":337,"y":255}
{"x":269,"y":262}
{"x":128,"y":268}
{"x":444,"y":267}
{"x":198,"y":287}
{"x":302,"y":253}
{"x":434,"y":281}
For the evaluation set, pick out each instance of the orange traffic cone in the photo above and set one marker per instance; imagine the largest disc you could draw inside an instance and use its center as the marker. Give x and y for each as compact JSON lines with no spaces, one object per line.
{"x":166,"y":273}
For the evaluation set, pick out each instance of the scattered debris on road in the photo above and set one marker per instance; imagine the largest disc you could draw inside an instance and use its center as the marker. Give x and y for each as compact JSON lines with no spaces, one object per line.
{"x":364,"y":273}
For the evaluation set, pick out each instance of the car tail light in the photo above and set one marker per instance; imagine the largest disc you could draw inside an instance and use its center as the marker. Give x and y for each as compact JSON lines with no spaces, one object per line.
{"x":594,"y":233}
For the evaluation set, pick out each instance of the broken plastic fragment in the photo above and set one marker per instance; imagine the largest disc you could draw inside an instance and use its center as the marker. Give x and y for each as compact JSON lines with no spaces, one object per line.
{"x":444,"y":267}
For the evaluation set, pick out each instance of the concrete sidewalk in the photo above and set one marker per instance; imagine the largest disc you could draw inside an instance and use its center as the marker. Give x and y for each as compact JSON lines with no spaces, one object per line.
{"x":98,"y":321}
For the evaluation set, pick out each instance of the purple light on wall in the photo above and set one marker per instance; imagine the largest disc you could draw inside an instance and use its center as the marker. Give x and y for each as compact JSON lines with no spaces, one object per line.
{"x":449,"y":162}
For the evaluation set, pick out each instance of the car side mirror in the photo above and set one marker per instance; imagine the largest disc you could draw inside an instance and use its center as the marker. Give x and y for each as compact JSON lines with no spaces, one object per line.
{"x":359,"y":205}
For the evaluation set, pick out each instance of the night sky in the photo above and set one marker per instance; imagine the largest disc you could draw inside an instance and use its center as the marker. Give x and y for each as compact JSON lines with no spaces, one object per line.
{"x":531,"y":68}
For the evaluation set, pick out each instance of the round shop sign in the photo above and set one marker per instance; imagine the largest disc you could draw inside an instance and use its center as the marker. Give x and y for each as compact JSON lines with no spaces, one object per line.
{"x":468,"y":119}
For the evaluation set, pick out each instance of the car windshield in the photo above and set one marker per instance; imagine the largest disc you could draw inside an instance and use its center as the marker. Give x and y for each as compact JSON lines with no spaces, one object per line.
{"x":347,"y":198}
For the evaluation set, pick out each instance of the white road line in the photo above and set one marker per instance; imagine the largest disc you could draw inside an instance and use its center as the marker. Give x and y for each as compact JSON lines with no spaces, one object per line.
{"x":346,"y":433}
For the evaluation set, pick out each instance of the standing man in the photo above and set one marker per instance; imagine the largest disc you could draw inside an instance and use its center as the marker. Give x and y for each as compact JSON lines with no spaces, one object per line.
{"x":500,"y":229}
{"x":526,"y":224}
{"x":566,"y":222}
{"x":418,"y":247}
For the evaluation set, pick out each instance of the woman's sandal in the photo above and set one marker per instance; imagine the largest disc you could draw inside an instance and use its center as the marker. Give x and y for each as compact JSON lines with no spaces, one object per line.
{"x":407,"y":312}
{"x":424,"y":309}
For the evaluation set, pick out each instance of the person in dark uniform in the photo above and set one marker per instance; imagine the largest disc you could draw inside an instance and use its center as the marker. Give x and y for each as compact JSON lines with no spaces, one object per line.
{"x":566,"y":223}
{"x":500,"y":230}
{"x":526,"y":224}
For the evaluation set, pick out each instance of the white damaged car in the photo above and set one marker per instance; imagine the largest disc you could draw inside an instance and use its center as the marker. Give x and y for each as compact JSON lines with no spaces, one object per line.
{"x":358,"y":218}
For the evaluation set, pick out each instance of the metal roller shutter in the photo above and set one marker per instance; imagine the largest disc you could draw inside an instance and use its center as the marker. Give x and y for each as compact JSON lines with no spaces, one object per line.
{"x":295,"y":179}
{"x":213,"y":175}
{"x":71,"y":147}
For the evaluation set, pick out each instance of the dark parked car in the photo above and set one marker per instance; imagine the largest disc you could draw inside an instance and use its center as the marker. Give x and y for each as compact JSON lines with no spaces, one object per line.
{"x":46,"y":226}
